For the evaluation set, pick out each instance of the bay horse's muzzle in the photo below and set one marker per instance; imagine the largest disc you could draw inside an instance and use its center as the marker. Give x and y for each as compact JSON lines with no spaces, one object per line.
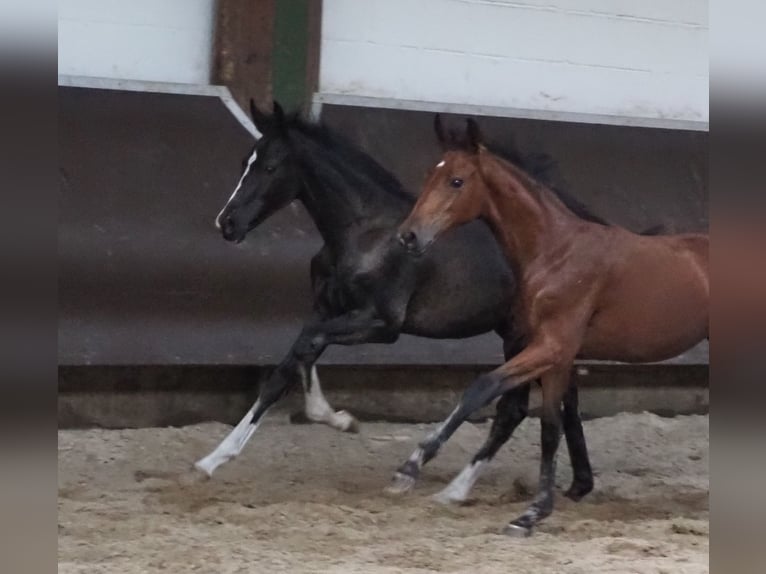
{"x":411,"y":242}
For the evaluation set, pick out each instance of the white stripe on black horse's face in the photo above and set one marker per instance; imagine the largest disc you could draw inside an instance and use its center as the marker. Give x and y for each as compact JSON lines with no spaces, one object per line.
{"x":268,"y":182}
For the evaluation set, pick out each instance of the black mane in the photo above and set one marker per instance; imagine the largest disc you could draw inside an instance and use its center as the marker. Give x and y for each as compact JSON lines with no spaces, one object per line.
{"x":544,"y":169}
{"x":345,"y":153}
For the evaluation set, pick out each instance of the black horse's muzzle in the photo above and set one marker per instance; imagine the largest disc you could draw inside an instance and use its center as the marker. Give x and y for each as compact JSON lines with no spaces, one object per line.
{"x":229,"y":228}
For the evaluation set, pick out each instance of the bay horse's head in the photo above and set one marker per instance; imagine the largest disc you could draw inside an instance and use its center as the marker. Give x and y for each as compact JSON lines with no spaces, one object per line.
{"x":453,"y":192}
{"x":268,"y":181}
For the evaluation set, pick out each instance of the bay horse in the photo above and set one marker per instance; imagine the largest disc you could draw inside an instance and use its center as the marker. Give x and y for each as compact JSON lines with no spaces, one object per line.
{"x":585,"y":289}
{"x":366,"y":287}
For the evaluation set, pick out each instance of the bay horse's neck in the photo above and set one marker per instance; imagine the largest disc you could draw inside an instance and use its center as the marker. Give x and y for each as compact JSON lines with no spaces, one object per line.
{"x":527,"y":218}
{"x":340,"y":197}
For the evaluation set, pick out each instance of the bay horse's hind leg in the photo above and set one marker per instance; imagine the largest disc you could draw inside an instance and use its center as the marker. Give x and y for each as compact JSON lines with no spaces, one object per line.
{"x":318,"y":410}
{"x":582,"y":480}
{"x":512,"y":409}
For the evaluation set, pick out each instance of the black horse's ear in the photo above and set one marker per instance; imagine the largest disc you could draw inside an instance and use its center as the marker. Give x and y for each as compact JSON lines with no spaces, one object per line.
{"x":473,"y":134}
{"x":441,"y":135}
{"x":261,"y":120}
{"x":279,"y":114}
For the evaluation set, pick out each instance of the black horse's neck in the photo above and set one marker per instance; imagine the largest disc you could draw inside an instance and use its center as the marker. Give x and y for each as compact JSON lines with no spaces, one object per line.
{"x":344,"y":189}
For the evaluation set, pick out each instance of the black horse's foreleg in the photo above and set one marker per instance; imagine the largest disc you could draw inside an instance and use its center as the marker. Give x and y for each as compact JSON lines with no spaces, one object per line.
{"x":351,"y":328}
{"x":288,"y":372}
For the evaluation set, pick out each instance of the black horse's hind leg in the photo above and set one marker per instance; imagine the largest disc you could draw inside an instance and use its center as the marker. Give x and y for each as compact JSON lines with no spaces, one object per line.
{"x":512,"y":409}
{"x":582,"y":481}
{"x":318,"y":410}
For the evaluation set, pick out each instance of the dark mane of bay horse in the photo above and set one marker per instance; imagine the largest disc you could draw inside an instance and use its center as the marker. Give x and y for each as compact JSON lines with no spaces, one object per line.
{"x":545,"y":170}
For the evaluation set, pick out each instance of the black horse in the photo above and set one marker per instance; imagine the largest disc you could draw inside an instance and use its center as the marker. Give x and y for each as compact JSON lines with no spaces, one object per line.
{"x":366,"y":287}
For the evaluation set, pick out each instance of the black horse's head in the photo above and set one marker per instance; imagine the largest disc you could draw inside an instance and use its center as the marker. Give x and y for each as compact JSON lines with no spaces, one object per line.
{"x":268,"y":181}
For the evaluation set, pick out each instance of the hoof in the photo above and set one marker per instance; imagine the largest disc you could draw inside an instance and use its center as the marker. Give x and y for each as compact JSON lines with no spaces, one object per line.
{"x":193,"y":476}
{"x":204,"y":468}
{"x":351,"y":425}
{"x":400,"y":484}
{"x":576,"y":492}
{"x":516,"y":531}
{"x":447,"y":498}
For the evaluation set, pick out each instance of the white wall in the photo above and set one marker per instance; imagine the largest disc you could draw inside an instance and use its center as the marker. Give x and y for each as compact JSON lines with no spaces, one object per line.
{"x":618,"y":58}
{"x":153,"y":40}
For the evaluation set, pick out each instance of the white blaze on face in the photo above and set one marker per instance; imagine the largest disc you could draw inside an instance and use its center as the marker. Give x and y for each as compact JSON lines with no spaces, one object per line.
{"x":250,"y":162}
{"x":440,"y":164}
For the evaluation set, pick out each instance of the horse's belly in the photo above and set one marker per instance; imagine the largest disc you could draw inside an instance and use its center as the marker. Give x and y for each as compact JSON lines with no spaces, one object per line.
{"x":655,"y":323}
{"x":640,"y":343}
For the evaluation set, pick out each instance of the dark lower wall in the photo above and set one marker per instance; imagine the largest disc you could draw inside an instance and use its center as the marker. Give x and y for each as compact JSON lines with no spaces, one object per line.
{"x":118,"y":397}
{"x":144,"y":278}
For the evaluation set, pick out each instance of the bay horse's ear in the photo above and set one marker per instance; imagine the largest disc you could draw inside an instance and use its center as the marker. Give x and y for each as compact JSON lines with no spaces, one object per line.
{"x":441,"y":135}
{"x":261,"y":120}
{"x":473,"y":133}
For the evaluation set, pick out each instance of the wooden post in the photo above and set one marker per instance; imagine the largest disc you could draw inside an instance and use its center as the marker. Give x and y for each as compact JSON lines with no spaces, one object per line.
{"x":313,"y":50}
{"x":243,"y":50}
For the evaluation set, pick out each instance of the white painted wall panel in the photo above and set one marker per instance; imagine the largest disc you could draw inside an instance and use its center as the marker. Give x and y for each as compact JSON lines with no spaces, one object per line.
{"x":151,"y":40}
{"x":621,"y":58}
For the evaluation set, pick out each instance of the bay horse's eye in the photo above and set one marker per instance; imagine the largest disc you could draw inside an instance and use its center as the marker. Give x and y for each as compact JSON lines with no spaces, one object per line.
{"x":456,"y":182}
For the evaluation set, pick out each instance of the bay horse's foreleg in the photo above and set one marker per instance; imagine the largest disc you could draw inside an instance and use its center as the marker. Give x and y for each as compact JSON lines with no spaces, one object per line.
{"x":512,"y":409}
{"x":554,"y":386}
{"x":532,"y":362}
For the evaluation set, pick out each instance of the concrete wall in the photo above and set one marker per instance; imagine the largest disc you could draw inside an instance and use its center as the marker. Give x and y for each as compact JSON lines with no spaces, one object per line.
{"x":152,"y":40}
{"x":624,"y":58}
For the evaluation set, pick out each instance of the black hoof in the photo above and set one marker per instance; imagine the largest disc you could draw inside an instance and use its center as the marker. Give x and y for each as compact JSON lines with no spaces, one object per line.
{"x":400,"y":484}
{"x":578,"y":490}
{"x":517,"y":531}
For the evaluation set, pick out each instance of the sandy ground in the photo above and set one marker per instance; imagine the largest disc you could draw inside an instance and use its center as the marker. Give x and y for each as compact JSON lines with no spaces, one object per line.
{"x":309,"y":499}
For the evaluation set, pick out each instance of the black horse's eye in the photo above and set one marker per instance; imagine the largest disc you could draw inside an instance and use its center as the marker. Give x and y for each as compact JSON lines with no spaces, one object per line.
{"x":270,"y":168}
{"x":456,"y":182}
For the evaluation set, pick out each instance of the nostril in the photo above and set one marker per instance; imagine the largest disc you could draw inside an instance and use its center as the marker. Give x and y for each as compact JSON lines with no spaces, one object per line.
{"x":407,"y":238}
{"x":226,"y":225}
